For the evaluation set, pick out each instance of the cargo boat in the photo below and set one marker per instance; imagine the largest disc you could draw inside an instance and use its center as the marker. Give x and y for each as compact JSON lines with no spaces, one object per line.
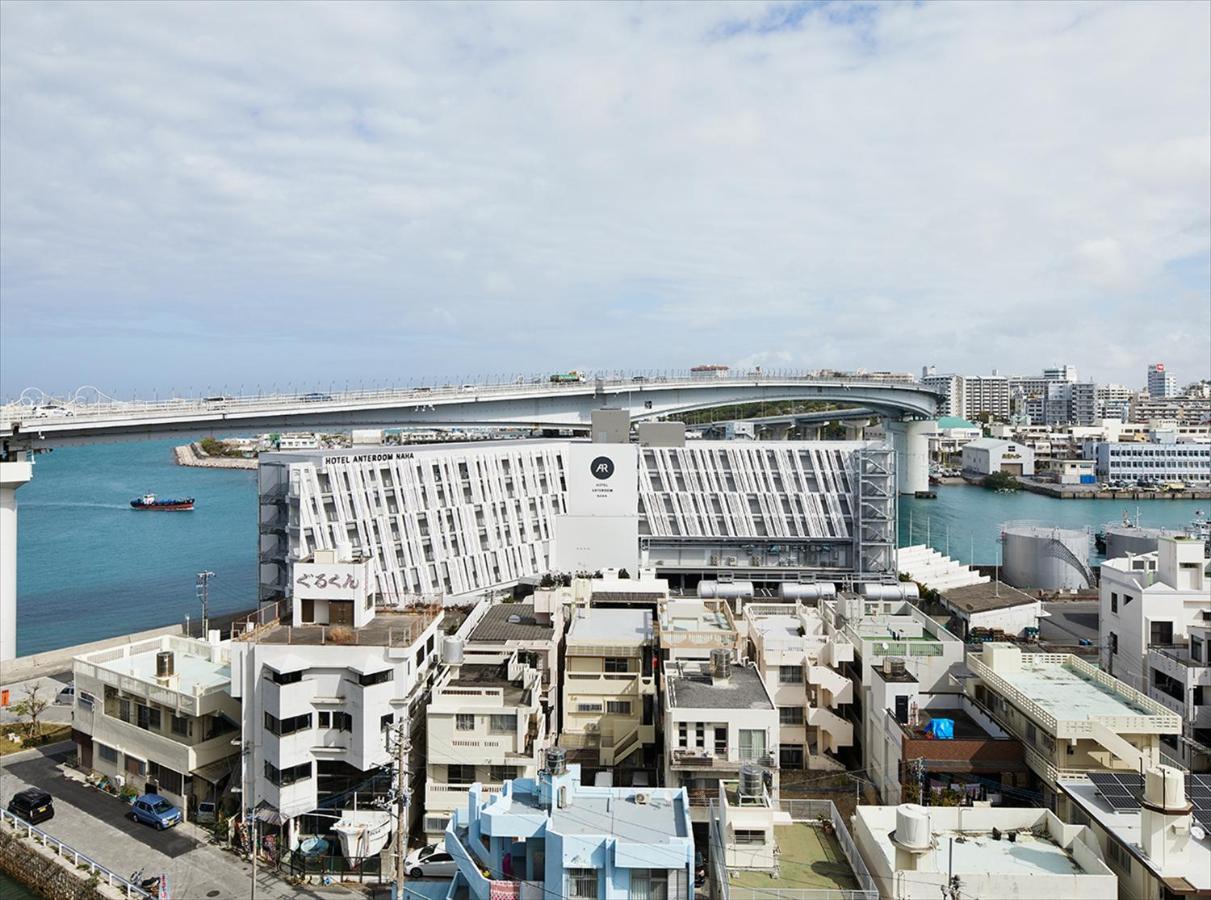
{"x":149,"y":501}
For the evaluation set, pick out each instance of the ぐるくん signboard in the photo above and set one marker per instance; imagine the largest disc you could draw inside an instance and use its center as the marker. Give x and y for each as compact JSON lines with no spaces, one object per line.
{"x":330,"y":581}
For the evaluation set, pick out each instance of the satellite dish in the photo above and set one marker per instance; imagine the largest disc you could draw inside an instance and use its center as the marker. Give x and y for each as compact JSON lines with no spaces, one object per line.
{"x":885,"y":646}
{"x":1197,"y":832}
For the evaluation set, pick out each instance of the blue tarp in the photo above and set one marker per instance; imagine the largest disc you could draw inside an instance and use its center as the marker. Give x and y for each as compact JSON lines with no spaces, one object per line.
{"x":942,"y":729}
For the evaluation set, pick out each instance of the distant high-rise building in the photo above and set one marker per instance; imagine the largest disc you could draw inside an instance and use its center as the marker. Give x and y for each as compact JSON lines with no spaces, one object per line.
{"x":949,"y":386}
{"x":1160,"y":382}
{"x":1113,"y":401}
{"x":1060,"y":373}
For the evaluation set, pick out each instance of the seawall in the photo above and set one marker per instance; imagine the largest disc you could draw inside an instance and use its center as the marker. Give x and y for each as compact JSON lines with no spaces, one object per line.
{"x":192,"y":455}
{"x":55,"y":662}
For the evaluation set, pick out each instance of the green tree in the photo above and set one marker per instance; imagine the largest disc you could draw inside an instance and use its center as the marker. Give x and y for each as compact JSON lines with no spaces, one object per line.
{"x":1001,"y":481}
{"x":31,"y":708}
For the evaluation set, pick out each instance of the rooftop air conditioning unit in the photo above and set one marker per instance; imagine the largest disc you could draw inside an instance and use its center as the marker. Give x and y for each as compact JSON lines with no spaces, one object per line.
{"x":642,"y":799}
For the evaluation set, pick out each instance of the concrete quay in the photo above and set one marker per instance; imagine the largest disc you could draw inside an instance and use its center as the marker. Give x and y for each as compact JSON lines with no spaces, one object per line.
{"x":192,"y":455}
{"x":1092,"y":492}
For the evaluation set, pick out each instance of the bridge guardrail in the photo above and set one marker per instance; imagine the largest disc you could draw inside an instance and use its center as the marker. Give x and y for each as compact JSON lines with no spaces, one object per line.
{"x":15,"y":412}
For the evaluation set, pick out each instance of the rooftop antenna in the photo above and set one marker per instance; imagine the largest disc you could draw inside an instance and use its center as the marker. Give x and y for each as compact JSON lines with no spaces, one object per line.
{"x":203,"y":591}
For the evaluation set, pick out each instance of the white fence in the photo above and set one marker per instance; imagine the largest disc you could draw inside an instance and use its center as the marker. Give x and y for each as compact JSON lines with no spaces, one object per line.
{"x":78,"y":859}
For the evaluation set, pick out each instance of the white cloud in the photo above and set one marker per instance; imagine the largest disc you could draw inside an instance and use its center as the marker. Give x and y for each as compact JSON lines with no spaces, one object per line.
{"x":972,"y":185}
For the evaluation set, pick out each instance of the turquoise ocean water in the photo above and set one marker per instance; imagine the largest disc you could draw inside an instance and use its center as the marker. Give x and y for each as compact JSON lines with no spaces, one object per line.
{"x":89,"y":567}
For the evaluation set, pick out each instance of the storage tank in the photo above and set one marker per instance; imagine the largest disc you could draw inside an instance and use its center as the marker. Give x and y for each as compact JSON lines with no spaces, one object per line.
{"x":1047,"y":558}
{"x":452,"y":651}
{"x":901,"y":590}
{"x":725,"y":590}
{"x":793,"y":591}
{"x":912,"y":827}
{"x":1124,"y":540}
{"x":751,"y":780}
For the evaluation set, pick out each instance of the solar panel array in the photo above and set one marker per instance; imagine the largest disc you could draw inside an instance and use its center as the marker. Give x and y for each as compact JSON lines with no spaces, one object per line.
{"x":1123,"y":792}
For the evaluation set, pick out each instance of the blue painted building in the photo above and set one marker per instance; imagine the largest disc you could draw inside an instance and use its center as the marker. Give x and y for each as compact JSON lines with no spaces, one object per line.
{"x":554,"y":837}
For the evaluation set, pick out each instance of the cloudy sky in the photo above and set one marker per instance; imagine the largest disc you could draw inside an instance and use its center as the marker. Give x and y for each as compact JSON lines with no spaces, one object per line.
{"x":205,"y":195}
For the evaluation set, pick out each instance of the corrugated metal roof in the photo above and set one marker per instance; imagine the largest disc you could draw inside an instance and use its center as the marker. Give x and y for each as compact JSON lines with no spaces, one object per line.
{"x":496,"y":624}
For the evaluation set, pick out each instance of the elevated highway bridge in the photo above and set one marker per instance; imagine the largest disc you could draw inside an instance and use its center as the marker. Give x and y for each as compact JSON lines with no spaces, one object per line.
{"x":33,"y":425}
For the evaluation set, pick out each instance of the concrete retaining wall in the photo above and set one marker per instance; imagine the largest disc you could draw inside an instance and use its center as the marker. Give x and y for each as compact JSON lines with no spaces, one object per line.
{"x":55,"y":879}
{"x":192,"y":455}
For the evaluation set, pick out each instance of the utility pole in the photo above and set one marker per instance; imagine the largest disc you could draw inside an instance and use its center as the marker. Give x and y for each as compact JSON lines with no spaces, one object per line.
{"x":203,"y":590}
{"x":403,"y":746}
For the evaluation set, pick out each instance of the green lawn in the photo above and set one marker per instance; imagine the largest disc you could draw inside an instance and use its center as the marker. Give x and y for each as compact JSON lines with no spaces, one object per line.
{"x":808,"y":857}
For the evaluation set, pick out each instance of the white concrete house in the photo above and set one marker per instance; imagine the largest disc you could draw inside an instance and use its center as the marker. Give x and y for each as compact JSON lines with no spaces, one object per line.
{"x":609,"y":689}
{"x":1153,"y":613}
{"x":718,"y":718}
{"x":158,"y":710}
{"x":994,"y":853}
{"x":799,"y":658}
{"x":317,"y":702}
{"x":485,"y":725}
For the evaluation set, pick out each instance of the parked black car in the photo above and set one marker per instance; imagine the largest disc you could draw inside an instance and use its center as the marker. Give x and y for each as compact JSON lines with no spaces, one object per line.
{"x":32,"y":805}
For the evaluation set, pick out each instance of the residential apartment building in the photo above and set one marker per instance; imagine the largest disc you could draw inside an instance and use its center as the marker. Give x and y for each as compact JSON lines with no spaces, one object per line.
{"x":760,"y":847}
{"x":718,"y":718}
{"x":609,"y":688}
{"x":921,"y":853}
{"x":950,"y":387}
{"x":1071,"y":716}
{"x":800,"y":660}
{"x":1153,"y":461}
{"x":318,"y":700}
{"x":554,"y":836}
{"x":1153,"y":614}
{"x":985,"y":395}
{"x":1113,"y":401}
{"x":484,"y":725}
{"x":909,"y":757}
{"x":158,"y":710}
{"x":1156,"y":845}
{"x":691,"y":629}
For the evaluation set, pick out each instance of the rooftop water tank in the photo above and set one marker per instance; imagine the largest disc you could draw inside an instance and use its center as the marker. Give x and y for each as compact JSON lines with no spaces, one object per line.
{"x":793,"y":591}
{"x":452,"y":651}
{"x":165,"y":664}
{"x":751,"y":780}
{"x":901,"y":590}
{"x":721,"y":664}
{"x":912,"y":827}
{"x":725,"y":590}
{"x":557,"y":760}
{"x":1165,"y":788}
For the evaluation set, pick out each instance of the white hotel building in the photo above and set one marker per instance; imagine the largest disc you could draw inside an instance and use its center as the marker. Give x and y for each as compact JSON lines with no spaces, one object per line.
{"x":456,"y":520}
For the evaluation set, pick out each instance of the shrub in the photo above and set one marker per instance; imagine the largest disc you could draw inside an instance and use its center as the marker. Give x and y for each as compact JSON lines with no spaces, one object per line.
{"x":1001,"y":481}
{"x":340,"y":635}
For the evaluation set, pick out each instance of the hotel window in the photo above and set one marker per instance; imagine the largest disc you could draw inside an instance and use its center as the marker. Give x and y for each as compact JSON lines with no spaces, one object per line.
{"x":124,"y":710}
{"x":464,"y":722}
{"x":682,"y":734}
{"x":1113,"y":602}
{"x":375,"y":678}
{"x":325,"y":719}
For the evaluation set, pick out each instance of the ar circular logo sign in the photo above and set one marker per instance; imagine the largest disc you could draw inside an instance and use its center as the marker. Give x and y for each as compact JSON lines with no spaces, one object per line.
{"x":602,"y":467}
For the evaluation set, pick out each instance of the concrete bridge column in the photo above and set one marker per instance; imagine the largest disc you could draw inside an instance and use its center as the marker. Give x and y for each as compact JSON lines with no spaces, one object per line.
{"x":912,"y":453}
{"x":811,"y":432}
{"x":778,"y":431}
{"x":855,"y":431}
{"x":12,"y":476}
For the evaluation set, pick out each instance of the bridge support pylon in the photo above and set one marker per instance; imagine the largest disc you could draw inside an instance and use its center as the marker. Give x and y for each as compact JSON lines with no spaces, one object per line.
{"x":12,"y":476}
{"x":912,"y":453}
